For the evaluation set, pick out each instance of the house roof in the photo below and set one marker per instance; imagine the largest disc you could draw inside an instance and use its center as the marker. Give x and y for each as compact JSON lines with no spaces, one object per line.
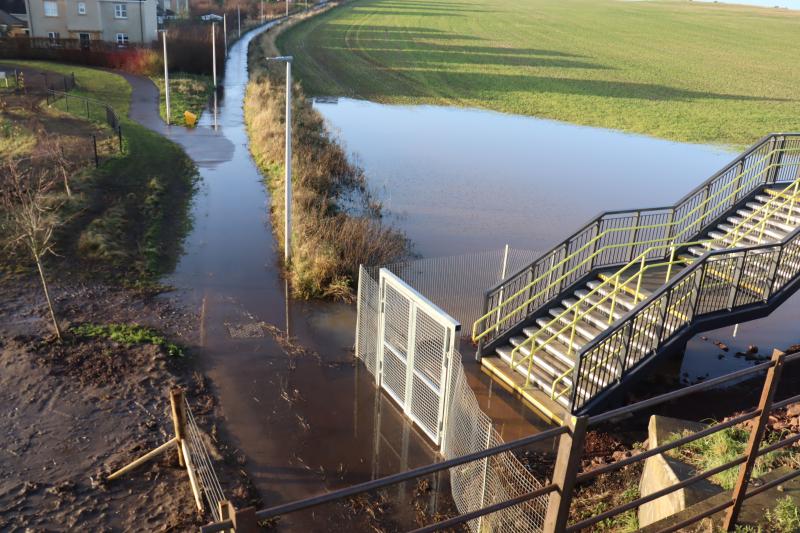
{"x":10,"y":20}
{"x":13,"y":6}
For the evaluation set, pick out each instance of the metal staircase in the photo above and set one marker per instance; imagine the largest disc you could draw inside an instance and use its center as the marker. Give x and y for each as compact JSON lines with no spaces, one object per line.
{"x":580,"y":322}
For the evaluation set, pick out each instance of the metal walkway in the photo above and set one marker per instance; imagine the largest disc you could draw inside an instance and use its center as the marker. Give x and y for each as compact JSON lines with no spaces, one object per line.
{"x":578,"y":325}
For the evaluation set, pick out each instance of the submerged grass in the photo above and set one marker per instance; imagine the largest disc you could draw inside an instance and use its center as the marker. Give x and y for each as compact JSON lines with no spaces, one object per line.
{"x":336,"y":222}
{"x":127,"y":334}
{"x":688,"y":71}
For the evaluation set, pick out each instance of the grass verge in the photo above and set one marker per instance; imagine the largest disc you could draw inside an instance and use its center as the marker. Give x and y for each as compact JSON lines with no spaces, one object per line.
{"x":128,"y":334}
{"x":725,"y":446}
{"x":128,"y":217}
{"x":687,"y":71}
{"x":336,"y":221}
{"x":188,"y":92}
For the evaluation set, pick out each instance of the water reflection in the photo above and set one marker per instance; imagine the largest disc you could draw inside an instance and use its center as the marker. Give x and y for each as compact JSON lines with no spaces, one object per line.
{"x":463,"y":180}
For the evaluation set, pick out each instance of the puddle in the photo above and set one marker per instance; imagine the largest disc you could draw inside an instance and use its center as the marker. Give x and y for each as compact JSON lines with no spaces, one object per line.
{"x":465,"y":180}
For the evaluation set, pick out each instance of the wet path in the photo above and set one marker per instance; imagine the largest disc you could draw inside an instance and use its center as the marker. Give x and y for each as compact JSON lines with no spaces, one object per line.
{"x":306,"y":418}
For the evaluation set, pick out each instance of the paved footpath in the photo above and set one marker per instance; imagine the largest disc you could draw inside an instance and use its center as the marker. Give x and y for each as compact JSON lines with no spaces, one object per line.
{"x":205,"y":145}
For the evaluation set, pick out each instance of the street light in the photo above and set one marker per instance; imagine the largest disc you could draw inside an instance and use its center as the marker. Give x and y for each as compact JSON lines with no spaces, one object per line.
{"x":214,"y":52}
{"x":287,"y":208}
{"x":166,"y":72}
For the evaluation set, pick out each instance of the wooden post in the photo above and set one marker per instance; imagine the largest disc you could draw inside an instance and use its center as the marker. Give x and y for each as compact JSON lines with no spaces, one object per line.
{"x":244,"y":520}
{"x":756,"y":434}
{"x":226,"y":512}
{"x":143,"y":459}
{"x":198,"y":498}
{"x":178,"y":419}
{"x":568,"y":461}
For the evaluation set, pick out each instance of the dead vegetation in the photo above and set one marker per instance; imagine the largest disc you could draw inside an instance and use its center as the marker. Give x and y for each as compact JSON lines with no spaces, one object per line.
{"x":337,"y":223}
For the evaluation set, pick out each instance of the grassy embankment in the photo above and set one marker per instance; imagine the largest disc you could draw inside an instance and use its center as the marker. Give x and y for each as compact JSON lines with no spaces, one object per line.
{"x":188,"y":92}
{"x":686,"y":71}
{"x":127,"y":217}
{"x":336,"y":222}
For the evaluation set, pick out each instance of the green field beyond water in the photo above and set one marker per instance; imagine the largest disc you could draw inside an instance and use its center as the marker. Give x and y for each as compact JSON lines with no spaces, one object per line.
{"x":680,"y":70}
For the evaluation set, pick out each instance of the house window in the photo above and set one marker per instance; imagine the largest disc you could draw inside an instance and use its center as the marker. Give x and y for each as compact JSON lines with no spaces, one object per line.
{"x":81,"y":8}
{"x":167,"y":4}
{"x":84,"y":39}
{"x":122,"y":39}
{"x":50,"y":9}
{"x":53,"y":36}
{"x":120,"y":11}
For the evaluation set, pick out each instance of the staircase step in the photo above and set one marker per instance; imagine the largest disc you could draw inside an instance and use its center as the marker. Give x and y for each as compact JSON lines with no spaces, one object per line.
{"x":538,"y":375}
{"x":623,"y":297}
{"x":602,"y":303}
{"x":786,"y":208}
{"x":742,"y":241}
{"x":551,"y":329}
{"x":533,"y":395}
{"x":752,"y":229}
{"x":586,"y":329}
{"x":777,"y":222}
{"x":554,"y":347}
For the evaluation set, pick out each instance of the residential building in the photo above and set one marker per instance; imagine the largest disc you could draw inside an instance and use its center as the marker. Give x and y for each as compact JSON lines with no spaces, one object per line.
{"x":12,"y":26}
{"x":119,"y":21}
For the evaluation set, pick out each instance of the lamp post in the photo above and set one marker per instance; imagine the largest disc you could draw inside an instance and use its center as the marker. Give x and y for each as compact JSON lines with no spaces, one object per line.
{"x":239,"y":19}
{"x":166,"y":72}
{"x":287,"y":215}
{"x":287,"y":8}
{"x":214,"y":52}
{"x":225,"y":32}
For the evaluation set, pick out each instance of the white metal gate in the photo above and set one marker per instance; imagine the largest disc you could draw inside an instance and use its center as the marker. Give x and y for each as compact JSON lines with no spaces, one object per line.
{"x":415,"y":351}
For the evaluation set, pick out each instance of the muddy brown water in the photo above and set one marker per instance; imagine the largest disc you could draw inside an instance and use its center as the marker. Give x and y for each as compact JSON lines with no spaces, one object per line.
{"x":311,"y":421}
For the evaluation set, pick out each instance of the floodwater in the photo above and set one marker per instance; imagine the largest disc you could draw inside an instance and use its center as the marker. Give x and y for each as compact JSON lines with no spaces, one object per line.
{"x":304,"y":415}
{"x":464,"y":180}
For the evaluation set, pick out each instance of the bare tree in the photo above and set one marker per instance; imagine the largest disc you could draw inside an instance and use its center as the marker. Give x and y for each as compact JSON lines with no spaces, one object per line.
{"x":29,"y":216}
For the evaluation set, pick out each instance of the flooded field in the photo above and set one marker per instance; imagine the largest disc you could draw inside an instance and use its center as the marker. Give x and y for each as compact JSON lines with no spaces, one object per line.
{"x":464,"y":180}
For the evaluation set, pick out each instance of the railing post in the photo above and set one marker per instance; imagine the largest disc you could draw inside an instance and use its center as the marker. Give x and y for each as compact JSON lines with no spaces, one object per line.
{"x":756,"y":434}
{"x":226,"y":512}
{"x":96,"y":158}
{"x":568,"y":462}
{"x":244,"y":520}
{"x":775,"y":159}
{"x":178,"y":419}
{"x":736,"y":280}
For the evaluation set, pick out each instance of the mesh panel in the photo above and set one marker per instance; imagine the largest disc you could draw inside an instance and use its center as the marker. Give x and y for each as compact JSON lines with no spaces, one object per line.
{"x":467,"y":429}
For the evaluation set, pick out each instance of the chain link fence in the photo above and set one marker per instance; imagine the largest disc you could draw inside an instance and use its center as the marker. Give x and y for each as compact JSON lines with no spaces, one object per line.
{"x":456,"y":285}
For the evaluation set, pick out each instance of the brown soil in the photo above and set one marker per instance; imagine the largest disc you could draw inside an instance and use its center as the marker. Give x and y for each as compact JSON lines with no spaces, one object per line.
{"x":77,"y":410}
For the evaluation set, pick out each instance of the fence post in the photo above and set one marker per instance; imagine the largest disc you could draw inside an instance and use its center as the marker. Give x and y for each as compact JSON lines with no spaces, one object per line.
{"x":96,"y":158}
{"x":756,"y":434}
{"x":178,"y":418}
{"x":119,"y":135}
{"x":244,"y":520}
{"x":568,"y":461}
{"x":226,"y":512}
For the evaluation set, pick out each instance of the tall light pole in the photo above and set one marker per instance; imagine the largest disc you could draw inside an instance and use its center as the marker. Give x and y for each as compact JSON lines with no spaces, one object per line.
{"x":214,"y":52}
{"x":239,"y":19}
{"x":287,"y":8}
{"x":225,"y":32}
{"x":166,"y":72}
{"x":287,"y":208}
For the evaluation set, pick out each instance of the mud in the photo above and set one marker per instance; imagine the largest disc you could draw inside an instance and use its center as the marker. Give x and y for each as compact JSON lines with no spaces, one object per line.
{"x":75,"y":411}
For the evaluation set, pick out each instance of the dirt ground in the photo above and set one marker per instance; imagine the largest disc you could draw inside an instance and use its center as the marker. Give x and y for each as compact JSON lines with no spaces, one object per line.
{"x":74,"y":411}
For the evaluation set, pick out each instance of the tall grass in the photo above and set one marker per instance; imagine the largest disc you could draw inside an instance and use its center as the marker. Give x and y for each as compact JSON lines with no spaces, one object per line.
{"x":336,"y":221}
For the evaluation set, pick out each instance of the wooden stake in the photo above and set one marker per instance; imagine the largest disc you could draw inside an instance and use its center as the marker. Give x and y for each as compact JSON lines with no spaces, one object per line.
{"x":178,"y":419}
{"x":192,"y":479}
{"x":756,"y":434}
{"x":226,"y":512}
{"x":244,"y":520}
{"x":143,"y":459}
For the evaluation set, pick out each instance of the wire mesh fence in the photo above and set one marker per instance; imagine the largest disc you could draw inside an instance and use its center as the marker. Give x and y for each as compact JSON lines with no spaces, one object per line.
{"x":201,"y":464}
{"x":454,"y":284}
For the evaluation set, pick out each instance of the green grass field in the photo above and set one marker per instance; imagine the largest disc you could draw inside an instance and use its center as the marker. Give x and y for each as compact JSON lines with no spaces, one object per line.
{"x":680,"y":70}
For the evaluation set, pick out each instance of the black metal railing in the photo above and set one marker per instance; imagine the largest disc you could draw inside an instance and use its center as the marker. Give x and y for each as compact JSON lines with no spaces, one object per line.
{"x":614,"y":237}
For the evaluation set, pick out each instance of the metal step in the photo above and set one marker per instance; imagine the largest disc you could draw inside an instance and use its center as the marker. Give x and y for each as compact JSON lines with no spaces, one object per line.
{"x":622,"y":297}
{"x":743,"y":241}
{"x":753,"y":229}
{"x":536,"y":376}
{"x":775,"y":222}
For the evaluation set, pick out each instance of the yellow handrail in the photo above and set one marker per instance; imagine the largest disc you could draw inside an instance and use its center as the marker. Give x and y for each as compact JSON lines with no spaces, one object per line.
{"x":737,"y":238}
{"x":498,"y":308}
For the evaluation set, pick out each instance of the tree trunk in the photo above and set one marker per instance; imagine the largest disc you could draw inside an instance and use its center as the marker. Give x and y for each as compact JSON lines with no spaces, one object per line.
{"x":47,"y":296}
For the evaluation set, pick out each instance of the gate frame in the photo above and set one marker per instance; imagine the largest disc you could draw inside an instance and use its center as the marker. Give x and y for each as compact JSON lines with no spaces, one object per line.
{"x":452,"y":328}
